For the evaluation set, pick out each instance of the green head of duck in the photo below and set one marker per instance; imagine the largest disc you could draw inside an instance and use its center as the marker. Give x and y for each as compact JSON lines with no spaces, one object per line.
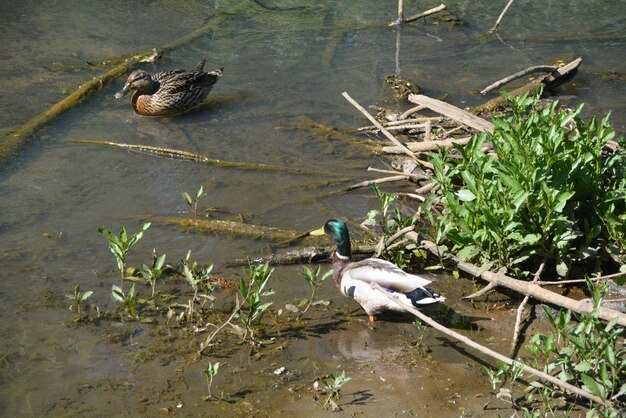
{"x":338,"y":231}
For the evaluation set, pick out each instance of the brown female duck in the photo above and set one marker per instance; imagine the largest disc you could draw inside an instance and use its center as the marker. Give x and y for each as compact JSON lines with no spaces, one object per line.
{"x":354,"y":278}
{"x":169,"y":93}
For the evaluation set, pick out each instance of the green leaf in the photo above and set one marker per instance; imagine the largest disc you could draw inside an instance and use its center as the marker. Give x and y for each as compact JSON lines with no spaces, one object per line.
{"x":468,"y":253}
{"x":590,"y":385}
{"x":465,"y":195}
{"x":188,"y":199}
{"x":583,"y":366}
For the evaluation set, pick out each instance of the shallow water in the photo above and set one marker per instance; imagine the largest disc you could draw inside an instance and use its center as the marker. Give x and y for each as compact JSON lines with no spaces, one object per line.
{"x":279,"y":67}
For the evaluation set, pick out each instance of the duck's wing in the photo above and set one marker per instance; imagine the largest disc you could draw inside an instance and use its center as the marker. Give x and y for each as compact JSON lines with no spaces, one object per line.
{"x":386,"y":274}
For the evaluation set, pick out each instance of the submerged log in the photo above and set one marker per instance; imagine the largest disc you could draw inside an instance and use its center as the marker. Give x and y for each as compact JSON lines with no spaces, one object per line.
{"x":232,"y":228}
{"x":303,"y":256}
{"x":189,"y":156}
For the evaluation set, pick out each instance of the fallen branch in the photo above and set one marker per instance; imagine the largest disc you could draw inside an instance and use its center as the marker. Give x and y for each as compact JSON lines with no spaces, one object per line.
{"x":556,"y":78}
{"x":378,"y":181}
{"x":14,"y":139}
{"x":520,"y":311}
{"x":189,"y":156}
{"x":232,"y":228}
{"x":487,"y":351}
{"x":385,"y":132}
{"x":506,"y":8}
{"x":524,"y":287}
{"x":519,"y":74}
{"x":429,"y":12}
{"x":303,"y":256}
{"x":427,"y":146}
{"x":457,"y":114}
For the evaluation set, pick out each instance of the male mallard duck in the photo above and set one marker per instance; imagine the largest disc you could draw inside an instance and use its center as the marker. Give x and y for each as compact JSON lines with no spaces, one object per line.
{"x":169,"y":93}
{"x":353,"y":279}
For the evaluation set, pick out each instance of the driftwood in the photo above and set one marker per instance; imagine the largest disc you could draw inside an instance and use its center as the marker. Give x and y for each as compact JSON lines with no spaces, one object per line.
{"x":389,"y":136}
{"x":457,"y":114}
{"x":506,"y":8}
{"x":367,"y":183}
{"x":465,"y":340}
{"x":401,"y":19}
{"x":304,"y":255}
{"x":519,"y":74}
{"x":524,"y":287}
{"x":189,"y":156}
{"x":427,"y":146}
{"x":232,"y":228}
{"x":559,"y":76}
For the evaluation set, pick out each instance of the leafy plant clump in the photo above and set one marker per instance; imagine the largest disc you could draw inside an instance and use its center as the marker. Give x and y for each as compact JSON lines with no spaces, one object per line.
{"x":121,"y":244}
{"x":550,"y":192}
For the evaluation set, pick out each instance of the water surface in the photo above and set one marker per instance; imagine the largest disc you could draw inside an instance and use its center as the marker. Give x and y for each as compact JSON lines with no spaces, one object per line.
{"x":280,"y":66}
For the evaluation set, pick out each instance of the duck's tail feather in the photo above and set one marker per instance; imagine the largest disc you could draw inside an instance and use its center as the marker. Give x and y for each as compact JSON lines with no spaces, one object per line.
{"x":423,"y":296}
{"x":200,"y":65}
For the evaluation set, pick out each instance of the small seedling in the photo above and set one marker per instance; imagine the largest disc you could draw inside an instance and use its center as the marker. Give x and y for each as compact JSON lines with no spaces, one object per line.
{"x":192,"y":202}
{"x":79,"y":298}
{"x":152,"y":274}
{"x":198,"y":277}
{"x":252,"y":292}
{"x":121,"y":244}
{"x":314,"y":281}
{"x":128,"y":300}
{"x":332,"y":386}
{"x":211,"y":371}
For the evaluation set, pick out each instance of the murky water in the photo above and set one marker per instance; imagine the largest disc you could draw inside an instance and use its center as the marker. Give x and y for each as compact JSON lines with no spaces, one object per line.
{"x":280,"y":66}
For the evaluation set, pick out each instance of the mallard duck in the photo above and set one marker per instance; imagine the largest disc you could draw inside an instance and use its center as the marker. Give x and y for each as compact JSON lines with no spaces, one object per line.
{"x":169,"y":93}
{"x":353,"y":279}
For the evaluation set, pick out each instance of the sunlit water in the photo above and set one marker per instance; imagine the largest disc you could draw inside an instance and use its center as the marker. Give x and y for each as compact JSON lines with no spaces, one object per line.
{"x":279,"y":67}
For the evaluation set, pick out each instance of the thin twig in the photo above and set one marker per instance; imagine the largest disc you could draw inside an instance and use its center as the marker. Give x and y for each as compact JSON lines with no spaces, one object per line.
{"x":384,"y":131}
{"x":377,"y":181}
{"x":519,"y":74}
{"x":506,"y":8}
{"x":412,"y":110}
{"x":520,"y":311}
{"x":419,"y":16}
{"x":593,"y":279}
{"x":465,"y":340}
{"x":481,"y":291}
{"x":393,"y":172}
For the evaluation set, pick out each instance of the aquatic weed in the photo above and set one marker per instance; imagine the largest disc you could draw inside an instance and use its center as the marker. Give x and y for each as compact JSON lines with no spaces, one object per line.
{"x":121,"y":244}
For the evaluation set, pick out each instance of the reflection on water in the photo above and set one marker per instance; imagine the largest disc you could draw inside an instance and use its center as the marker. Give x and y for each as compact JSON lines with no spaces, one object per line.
{"x":279,"y":66}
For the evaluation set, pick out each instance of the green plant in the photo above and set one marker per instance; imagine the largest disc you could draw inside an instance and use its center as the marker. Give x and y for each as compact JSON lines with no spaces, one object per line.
{"x":586,"y":353}
{"x":391,"y":222}
{"x":152,"y":274}
{"x":549,"y":193}
{"x":79,"y":298}
{"x":129,"y":301}
{"x":197,"y":276}
{"x":192,"y":202}
{"x":332,"y":386}
{"x":253,"y":293}
{"x":314,"y":280}
{"x":211,"y":371}
{"x":121,"y":244}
